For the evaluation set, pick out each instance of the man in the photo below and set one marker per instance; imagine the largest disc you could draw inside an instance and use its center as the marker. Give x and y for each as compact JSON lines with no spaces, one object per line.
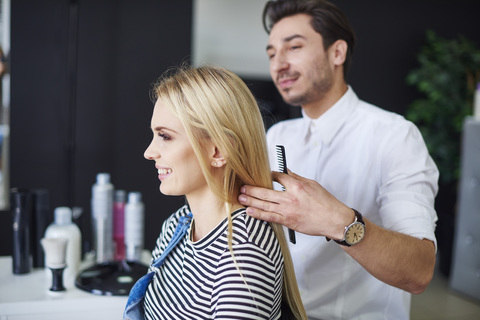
{"x":347,"y":154}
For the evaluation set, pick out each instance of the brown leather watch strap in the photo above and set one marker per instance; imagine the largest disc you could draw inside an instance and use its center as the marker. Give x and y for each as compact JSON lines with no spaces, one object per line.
{"x":358,"y":218}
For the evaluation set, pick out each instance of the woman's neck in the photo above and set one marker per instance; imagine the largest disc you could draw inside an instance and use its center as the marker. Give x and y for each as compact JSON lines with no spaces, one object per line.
{"x":208,"y":211}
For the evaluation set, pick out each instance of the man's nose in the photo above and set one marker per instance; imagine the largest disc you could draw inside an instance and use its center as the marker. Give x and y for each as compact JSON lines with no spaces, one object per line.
{"x":278,"y":62}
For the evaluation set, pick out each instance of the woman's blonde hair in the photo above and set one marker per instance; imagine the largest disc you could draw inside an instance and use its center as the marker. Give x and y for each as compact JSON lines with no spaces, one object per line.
{"x":215,"y":105}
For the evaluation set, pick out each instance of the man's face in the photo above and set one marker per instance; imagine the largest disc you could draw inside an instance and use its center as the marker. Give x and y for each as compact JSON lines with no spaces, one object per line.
{"x":299,"y":64}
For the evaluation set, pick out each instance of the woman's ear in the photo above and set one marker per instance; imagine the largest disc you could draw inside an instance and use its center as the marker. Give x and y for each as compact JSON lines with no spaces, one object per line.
{"x":217,"y":160}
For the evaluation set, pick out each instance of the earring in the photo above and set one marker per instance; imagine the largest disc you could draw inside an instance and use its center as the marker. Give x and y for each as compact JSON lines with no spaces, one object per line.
{"x":214,"y":163}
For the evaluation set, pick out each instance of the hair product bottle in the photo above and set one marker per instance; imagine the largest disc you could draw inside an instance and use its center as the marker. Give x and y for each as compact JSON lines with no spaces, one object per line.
{"x":63,"y":227}
{"x":119,"y":224}
{"x":102,"y":218}
{"x":21,"y":207}
{"x":476,"y":103}
{"x":39,"y":223}
{"x":55,"y":260}
{"x":134,"y":226}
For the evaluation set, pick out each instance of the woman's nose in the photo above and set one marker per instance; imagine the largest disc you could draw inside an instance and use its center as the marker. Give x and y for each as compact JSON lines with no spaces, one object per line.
{"x":149,"y":153}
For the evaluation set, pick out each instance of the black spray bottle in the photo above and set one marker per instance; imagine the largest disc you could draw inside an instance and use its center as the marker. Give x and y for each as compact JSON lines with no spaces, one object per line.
{"x":20,"y":204}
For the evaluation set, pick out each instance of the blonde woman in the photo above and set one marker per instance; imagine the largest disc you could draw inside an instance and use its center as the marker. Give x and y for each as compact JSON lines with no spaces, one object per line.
{"x":208,"y":141}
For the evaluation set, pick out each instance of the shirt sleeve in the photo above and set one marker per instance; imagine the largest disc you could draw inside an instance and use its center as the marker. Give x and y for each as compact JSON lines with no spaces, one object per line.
{"x":249,"y":295}
{"x":409,"y":184}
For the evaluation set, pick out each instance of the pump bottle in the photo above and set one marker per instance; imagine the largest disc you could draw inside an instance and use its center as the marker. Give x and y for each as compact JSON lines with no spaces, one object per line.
{"x":119,"y":224}
{"x":102,"y":218}
{"x":63,"y":227}
{"x":134,"y":226}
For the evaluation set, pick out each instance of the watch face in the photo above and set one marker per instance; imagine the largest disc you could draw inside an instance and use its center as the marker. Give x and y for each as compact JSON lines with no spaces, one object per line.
{"x":355,"y":233}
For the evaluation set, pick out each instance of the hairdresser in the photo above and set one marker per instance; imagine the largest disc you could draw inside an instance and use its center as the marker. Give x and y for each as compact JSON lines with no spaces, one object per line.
{"x":361,"y":189}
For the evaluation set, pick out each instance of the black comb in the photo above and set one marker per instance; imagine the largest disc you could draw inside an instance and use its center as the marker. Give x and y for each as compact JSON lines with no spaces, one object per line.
{"x":282,"y":165}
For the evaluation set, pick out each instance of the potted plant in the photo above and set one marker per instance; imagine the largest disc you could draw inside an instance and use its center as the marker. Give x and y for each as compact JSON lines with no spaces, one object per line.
{"x":447,"y":75}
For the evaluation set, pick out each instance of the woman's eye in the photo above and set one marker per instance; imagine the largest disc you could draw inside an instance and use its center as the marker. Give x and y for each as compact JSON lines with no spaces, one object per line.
{"x":164,"y":136}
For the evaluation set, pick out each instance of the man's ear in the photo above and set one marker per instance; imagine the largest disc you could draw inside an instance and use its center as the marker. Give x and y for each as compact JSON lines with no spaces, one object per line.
{"x":338,"y":52}
{"x":217,"y":160}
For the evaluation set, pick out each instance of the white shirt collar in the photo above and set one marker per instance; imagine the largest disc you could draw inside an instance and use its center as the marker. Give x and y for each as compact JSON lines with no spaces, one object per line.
{"x":328,"y":124}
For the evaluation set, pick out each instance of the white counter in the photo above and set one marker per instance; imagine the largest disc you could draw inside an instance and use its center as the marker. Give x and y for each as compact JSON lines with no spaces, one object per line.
{"x":26,"y":297}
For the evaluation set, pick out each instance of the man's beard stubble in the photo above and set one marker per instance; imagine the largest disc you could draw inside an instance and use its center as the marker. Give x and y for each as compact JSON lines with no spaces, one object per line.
{"x":317,"y":91}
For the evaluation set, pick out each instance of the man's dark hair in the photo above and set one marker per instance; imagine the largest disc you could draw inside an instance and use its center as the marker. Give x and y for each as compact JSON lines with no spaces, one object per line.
{"x":327,"y":19}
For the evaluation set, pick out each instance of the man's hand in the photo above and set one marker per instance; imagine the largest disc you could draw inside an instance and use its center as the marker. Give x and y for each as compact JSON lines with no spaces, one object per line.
{"x":305,"y":206}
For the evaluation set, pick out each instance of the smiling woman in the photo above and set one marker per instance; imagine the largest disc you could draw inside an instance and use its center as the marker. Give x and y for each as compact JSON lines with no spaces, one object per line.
{"x":208,"y":140}
{"x":178,"y":168}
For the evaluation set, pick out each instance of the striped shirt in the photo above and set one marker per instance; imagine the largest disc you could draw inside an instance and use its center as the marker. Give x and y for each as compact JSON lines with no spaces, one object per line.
{"x":200,"y":280}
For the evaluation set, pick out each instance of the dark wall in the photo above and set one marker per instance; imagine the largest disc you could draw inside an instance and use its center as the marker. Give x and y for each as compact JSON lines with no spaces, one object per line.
{"x":65,"y":128}
{"x":81,"y":72}
{"x":389,"y":36}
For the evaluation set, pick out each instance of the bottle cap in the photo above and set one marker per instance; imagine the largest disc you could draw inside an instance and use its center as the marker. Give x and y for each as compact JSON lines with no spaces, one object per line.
{"x":63,"y":215}
{"x":103,"y":178}
{"x":120,"y":196}
{"x":134,"y":197}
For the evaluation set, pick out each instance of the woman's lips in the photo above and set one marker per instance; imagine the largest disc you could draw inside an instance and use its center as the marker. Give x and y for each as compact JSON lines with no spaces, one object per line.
{"x":163,"y":172}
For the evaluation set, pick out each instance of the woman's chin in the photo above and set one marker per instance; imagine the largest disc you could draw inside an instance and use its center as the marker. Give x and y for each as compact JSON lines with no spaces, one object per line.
{"x":168,"y":192}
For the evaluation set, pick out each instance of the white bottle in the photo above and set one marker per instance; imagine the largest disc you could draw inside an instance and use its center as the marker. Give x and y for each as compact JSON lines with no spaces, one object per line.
{"x":134,"y":226}
{"x":476,"y":103}
{"x":102,"y":218}
{"x":63,"y":227}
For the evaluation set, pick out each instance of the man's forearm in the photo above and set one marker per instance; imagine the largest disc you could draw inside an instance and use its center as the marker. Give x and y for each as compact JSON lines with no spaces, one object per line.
{"x":397,"y":259}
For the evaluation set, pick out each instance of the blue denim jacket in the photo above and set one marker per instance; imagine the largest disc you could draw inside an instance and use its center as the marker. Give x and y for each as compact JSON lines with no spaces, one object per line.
{"x":134,"y":309}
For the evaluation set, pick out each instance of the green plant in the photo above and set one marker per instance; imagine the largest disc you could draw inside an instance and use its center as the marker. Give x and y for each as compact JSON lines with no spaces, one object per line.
{"x":448,"y":73}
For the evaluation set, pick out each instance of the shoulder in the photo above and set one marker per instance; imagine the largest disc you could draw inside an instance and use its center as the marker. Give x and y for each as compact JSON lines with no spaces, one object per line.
{"x":168,"y":228}
{"x":381,"y":125}
{"x":249,"y":229}
{"x":174,"y":218}
{"x":280,"y":127}
{"x":376,"y":115}
{"x":255,"y":237}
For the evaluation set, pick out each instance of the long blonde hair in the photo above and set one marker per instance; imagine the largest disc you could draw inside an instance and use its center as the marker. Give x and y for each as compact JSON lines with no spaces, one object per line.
{"x":215,"y":104}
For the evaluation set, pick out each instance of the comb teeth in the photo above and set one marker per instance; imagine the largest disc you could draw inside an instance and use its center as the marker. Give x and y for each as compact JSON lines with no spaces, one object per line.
{"x":282,"y":166}
{"x":282,"y":161}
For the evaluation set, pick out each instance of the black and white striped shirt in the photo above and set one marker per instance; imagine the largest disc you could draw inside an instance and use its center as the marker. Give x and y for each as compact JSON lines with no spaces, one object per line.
{"x":201,"y":281}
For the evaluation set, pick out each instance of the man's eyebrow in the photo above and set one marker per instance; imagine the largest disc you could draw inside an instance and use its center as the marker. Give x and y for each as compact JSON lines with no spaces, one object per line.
{"x":287,"y":39}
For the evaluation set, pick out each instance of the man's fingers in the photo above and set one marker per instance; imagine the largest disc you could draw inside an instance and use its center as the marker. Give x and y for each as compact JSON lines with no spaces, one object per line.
{"x":260,"y":209}
{"x":263,"y":194}
{"x":286,"y":179}
{"x":278,"y":176}
{"x":261,"y":204}
{"x":263,"y":215}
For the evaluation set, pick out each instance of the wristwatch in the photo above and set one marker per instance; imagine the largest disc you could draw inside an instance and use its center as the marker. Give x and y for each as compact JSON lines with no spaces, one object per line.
{"x":354,"y":233}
